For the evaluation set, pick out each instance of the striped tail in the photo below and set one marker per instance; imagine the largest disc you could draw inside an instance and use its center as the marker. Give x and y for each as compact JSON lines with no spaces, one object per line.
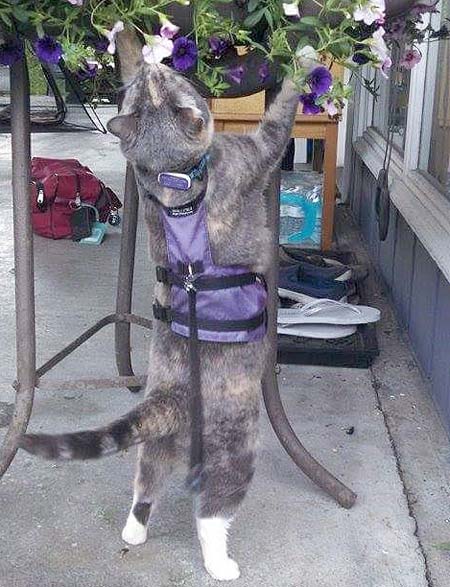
{"x":153,"y":419}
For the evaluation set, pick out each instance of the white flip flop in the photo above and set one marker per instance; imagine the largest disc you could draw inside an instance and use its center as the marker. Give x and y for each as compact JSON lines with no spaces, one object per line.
{"x":317,"y":330}
{"x":324,"y":311}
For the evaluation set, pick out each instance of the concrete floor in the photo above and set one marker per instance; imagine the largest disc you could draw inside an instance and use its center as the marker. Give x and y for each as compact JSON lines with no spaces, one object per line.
{"x":60,"y":524}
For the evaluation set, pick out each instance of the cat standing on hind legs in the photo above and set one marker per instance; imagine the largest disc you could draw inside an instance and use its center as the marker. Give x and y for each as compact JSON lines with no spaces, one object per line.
{"x":165,"y":125}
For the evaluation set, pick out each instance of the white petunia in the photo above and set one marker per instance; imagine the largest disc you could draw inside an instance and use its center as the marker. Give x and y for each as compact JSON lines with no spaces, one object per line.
{"x":370,"y":11}
{"x":291,"y":9}
{"x":112,"y":34}
{"x":380,"y":51}
{"x":157,"y":49}
{"x":168,"y":29}
{"x":307,"y":56}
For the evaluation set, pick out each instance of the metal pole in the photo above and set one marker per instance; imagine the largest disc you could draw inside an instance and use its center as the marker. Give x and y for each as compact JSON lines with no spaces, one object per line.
{"x":271,"y":393}
{"x":125,"y":277}
{"x":23,"y":261}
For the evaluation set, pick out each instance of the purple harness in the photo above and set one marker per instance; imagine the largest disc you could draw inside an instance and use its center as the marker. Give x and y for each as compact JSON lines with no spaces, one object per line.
{"x":230,"y":300}
{"x":208,"y":302}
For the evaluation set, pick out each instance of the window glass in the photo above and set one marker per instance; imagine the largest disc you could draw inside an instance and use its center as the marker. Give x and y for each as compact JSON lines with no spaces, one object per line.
{"x":435,"y":137}
{"x":392,"y":92}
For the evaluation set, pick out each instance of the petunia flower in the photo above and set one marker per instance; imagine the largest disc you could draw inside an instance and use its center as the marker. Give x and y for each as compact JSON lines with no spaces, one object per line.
{"x":410,"y":58}
{"x":330,"y":108}
{"x":168,"y":30}
{"x":370,"y":11}
{"x":76,"y":2}
{"x":89,"y":70}
{"x":157,"y":49}
{"x":386,"y":66}
{"x":10,"y":52}
{"x":218,"y":46}
{"x":291,"y":9}
{"x":100,"y":44}
{"x":263,"y":72}
{"x":307,"y":56}
{"x":379,"y":50}
{"x":235,"y":74}
{"x":184,"y":55}
{"x":48,"y":49}
{"x":112,"y":34}
{"x":320,"y":80}
{"x":309,"y":104}
{"x":359,"y":57}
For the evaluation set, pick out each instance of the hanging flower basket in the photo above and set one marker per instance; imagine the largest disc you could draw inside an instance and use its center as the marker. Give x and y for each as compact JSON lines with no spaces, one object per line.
{"x":232,"y":47}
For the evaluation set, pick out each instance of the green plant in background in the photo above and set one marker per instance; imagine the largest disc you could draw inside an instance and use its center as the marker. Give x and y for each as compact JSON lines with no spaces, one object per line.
{"x":38,"y":83}
{"x":346,"y":32}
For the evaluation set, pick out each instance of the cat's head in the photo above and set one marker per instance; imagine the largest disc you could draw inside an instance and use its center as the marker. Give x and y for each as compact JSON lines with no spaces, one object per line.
{"x":164,"y":124}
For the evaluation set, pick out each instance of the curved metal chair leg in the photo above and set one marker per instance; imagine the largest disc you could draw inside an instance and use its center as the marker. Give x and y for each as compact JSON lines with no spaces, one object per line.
{"x":23,"y":262}
{"x":295,"y":449}
{"x":125,"y":277}
{"x":271,"y":394}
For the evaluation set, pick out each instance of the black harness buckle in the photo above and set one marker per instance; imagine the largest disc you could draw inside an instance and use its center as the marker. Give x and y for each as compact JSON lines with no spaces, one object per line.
{"x":162,"y":274}
{"x":163,"y":313}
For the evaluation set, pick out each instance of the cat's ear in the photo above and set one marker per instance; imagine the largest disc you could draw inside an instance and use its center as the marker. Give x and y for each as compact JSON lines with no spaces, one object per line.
{"x":129,"y":50}
{"x":123,"y":126}
{"x":190,"y":114}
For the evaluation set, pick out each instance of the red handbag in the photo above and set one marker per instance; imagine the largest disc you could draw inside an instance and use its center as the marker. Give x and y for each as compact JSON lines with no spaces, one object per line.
{"x":60,"y":187}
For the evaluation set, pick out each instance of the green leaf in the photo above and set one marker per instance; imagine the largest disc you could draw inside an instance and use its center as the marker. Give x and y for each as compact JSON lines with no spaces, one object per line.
{"x":20,"y":13}
{"x":254,"y":18}
{"x":253,"y":5}
{"x":269,"y":17}
{"x":6,"y":19}
{"x":311,"y":21}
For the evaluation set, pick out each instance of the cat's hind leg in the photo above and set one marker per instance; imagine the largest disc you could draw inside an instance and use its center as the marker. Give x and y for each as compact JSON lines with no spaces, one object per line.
{"x":229,"y":453}
{"x":155,"y":461}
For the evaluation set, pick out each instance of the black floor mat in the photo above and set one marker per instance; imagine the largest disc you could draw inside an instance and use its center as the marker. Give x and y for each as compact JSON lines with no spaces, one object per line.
{"x":357,"y":350}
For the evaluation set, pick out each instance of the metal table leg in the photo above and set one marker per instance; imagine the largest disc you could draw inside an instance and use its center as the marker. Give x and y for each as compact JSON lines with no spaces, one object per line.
{"x":280,"y":423}
{"x":126,"y":273}
{"x":23,"y":262}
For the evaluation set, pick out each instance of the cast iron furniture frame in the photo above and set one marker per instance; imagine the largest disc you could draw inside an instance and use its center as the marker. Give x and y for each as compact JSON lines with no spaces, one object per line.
{"x":29,"y":378}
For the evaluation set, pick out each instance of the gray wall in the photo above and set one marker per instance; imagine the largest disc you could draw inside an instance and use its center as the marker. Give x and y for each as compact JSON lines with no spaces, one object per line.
{"x":419,"y":291}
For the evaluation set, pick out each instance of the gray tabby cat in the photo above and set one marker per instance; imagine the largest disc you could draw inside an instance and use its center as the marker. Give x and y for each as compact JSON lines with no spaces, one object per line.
{"x":166,"y":125}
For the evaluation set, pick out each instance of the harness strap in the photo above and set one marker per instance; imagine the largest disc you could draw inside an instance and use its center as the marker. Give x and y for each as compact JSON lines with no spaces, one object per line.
{"x":206,"y":283}
{"x":195,"y":404}
{"x":166,"y":314}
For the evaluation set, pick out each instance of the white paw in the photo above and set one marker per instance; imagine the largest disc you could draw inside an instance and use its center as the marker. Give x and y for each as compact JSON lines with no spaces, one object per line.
{"x":223,"y":570}
{"x":134,"y":533}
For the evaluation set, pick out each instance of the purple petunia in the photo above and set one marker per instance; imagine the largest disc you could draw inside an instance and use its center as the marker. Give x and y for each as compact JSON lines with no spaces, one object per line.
{"x":320,"y":80}
{"x":184,"y":54}
{"x":263,"y":72}
{"x":309,"y":104}
{"x":218,"y":46}
{"x":10,"y":52}
{"x":358,"y":57}
{"x":235,"y":74}
{"x":100,"y":44}
{"x":88,"y":71}
{"x":48,"y":49}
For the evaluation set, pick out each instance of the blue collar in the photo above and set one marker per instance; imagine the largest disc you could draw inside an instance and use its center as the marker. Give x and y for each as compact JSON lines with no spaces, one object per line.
{"x":183,"y":181}
{"x":198,"y":171}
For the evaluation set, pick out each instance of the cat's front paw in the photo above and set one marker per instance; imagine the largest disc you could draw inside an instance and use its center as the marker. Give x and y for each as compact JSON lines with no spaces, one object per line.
{"x":134,"y":533}
{"x":223,"y":569}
